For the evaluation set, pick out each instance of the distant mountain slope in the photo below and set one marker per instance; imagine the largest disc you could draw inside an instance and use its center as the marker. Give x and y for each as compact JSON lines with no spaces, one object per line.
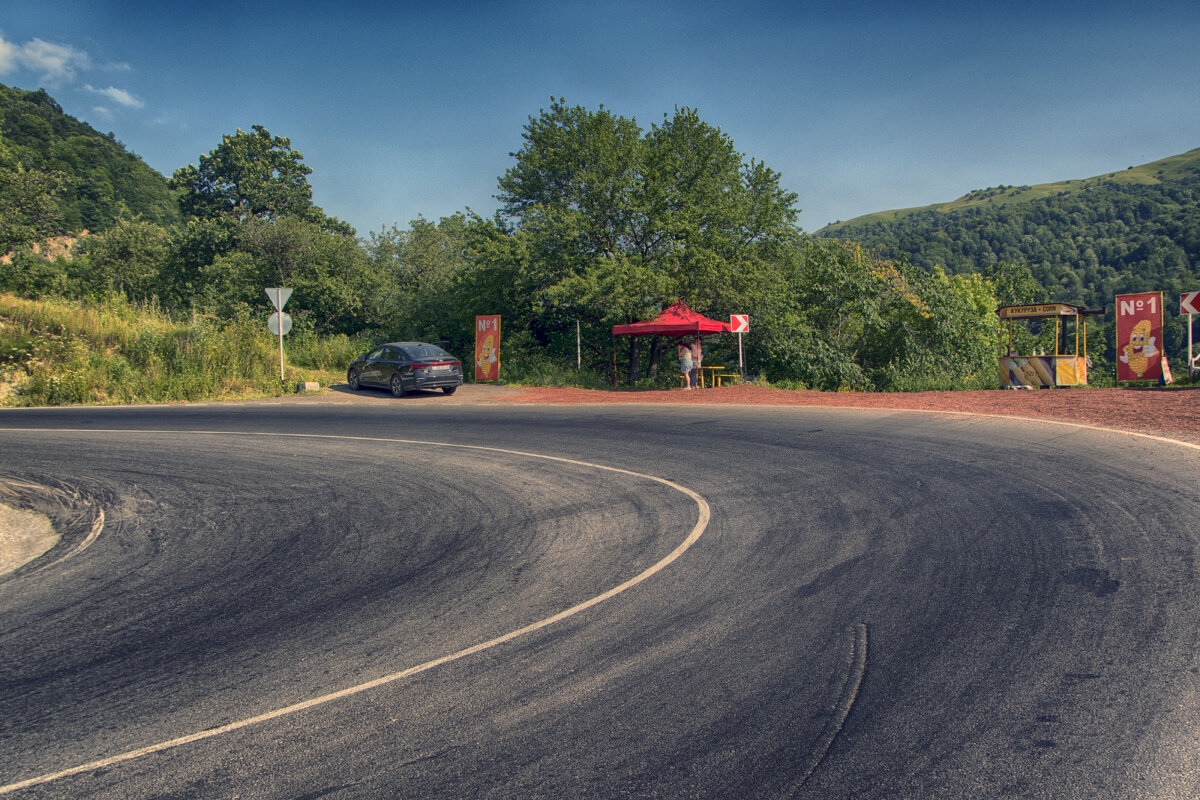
{"x":104,"y":179}
{"x":1085,"y":240}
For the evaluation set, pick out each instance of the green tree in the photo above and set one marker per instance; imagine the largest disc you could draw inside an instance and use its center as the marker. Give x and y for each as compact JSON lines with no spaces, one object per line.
{"x":29,"y":211}
{"x":418,"y":271}
{"x":127,"y":259}
{"x":248,"y":175}
{"x":833,"y":316}
{"x":1014,"y":284}
{"x":252,"y":224}
{"x":329,"y":273}
{"x":612,"y":224}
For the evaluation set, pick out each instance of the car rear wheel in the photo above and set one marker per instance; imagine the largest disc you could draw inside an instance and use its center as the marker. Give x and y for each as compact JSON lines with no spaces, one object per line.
{"x":449,"y":389}
{"x":352,"y":379}
{"x":397,"y":386}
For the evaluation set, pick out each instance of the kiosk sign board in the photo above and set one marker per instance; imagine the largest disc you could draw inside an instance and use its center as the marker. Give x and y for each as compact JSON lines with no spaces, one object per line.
{"x":1139,"y":334}
{"x":1040,"y":310}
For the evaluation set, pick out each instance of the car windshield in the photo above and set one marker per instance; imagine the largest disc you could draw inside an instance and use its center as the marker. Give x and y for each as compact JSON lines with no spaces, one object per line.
{"x":422,"y":352}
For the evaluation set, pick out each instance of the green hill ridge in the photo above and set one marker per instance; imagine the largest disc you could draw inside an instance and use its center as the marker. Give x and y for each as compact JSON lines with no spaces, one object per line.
{"x":1136,"y":229}
{"x":1156,"y":173}
{"x":102,"y":182}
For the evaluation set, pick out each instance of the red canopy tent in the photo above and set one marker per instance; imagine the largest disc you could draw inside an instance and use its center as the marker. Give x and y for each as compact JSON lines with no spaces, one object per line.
{"x":675,"y":320}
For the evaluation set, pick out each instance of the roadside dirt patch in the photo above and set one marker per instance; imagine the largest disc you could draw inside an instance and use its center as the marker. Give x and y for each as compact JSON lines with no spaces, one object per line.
{"x":24,"y":535}
{"x":1173,"y":413}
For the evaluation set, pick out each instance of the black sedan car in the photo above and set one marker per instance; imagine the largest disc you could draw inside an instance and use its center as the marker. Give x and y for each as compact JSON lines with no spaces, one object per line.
{"x":406,"y":366}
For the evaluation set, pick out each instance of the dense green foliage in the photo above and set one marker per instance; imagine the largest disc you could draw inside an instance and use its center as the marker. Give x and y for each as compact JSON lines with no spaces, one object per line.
{"x":101,"y":181}
{"x":55,"y":352}
{"x":604,"y":223}
{"x":601,"y":222}
{"x":67,"y":352}
{"x":1085,"y":241}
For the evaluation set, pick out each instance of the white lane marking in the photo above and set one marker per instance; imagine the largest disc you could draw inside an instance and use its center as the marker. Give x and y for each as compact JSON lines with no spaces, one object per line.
{"x":683,"y":546}
{"x":1047,"y":420}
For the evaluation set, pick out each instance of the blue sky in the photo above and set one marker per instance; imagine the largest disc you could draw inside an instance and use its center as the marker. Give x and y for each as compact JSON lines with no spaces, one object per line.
{"x":411,"y":109}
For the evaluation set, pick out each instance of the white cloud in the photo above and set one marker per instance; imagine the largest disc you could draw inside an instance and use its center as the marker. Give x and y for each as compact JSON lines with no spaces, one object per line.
{"x":119,"y":96}
{"x":60,"y":63}
{"x":57,"y":63}
{"x":8,"y":57}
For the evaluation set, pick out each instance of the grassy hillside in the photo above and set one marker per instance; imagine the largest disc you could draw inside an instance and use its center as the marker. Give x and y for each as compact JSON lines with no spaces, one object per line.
{"x":58,"y":352}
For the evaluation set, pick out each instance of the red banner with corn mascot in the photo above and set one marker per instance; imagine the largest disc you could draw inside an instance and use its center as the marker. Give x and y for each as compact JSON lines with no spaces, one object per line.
{"x":487,"y":348}
{"x":1139,"y":336}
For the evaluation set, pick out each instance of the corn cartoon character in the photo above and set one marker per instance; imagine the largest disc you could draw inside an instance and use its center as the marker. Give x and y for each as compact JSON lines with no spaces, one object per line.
{"x":487,"y":357}
{"x":1141,"y":348}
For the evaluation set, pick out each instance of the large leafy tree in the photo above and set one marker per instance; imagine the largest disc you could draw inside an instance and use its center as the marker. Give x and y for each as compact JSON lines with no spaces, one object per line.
{"x":249,"y":175}
{"x":615,"y":223}
{"x":252,"y":223}
{"x":329,"y":272}
{"x":418,"y":270}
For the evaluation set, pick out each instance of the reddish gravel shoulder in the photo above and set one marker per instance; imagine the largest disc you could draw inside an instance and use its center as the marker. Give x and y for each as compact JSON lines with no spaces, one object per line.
{"x":1170,"y":412}
{"x":1173,"y":413}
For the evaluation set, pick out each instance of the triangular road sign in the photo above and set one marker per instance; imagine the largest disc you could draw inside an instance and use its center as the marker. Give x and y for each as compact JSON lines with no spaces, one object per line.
{"x":279,"y":297}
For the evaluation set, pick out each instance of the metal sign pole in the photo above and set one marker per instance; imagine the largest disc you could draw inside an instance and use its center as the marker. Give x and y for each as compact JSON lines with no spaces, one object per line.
{"x":1191,"y":359}
{"x":1189,"y":303}
{"x":741,"y":362}
{"x":279,"y":299}
{"x":278,"y":304}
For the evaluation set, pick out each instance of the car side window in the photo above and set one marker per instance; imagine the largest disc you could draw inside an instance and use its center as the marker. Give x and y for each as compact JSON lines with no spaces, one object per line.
{"x":375,"y":354}
{"x":404,"y":354}
{"x":389,"y":354}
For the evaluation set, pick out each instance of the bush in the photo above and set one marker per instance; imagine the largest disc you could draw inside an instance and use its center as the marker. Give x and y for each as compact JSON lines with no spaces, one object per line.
{"x":57,"y":352}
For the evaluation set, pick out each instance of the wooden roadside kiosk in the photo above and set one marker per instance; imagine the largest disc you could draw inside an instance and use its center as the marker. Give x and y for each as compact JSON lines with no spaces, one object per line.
{"x":1041,"y":370}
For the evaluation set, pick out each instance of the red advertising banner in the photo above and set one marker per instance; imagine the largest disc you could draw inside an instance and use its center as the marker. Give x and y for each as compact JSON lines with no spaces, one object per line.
{"x":487,"y":348}
{"x":1139,"y":334}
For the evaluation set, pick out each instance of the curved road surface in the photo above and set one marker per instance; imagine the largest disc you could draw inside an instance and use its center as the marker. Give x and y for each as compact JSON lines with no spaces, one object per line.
{"x":277,"y":601}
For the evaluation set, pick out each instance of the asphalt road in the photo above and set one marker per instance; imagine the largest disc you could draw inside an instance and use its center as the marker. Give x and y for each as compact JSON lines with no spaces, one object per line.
{"x":316,"y":601}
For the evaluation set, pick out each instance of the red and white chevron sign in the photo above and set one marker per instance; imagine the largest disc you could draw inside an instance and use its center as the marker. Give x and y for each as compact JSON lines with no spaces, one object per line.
{"x":739,"y":323}
{"x":1189,"y":303}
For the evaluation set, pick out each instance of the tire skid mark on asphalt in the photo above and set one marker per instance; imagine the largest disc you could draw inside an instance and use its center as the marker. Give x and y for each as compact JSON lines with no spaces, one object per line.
{"x":856,"y":668}
{"x":93,"y":535}
{"x":94,"y":532}
{"x":692,"y":538}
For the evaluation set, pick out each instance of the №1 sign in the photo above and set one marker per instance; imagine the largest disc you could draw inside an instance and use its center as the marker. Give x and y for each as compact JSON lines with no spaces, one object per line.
{"x":1139,"y":332}
{"x":487,"y":348}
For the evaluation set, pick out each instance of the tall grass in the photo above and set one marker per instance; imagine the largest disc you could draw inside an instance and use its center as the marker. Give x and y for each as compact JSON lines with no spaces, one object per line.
{"x":56,"y":352}
{"x":329,"y":355}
